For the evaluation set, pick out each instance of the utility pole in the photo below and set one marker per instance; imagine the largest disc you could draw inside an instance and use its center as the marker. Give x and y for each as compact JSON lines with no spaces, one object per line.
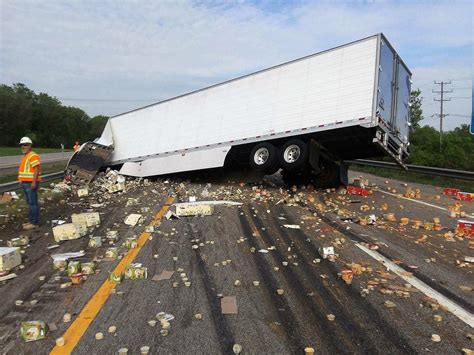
{"x":442,"y":91}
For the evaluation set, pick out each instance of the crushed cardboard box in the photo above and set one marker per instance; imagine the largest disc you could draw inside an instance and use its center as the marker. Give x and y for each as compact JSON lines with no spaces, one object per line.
{"x":90,"y":219}
{"x":189,"y":209}
{"x":68,"y":231}
{"x":133,"y":219}
{"x":10,"y":258}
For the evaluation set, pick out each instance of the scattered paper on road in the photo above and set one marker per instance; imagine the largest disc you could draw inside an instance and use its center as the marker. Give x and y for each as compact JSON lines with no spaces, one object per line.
{"x":229,"y":305}
{"x":164,"y":275}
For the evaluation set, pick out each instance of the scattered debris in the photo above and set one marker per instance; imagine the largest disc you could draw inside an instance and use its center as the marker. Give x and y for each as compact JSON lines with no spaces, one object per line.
{"x":33,"y":330}
{"x":8,"y":277}
{"x":237,"y":349}
{"x":193,"y":209}
{"x":171,"y":215}
{"x":10,"y":258}
{"x":229,"y":305}
{"x":164,"y":275}
{"x":133,"y":219}
{"x":69,"y":231}
{"x":21,"y":241}
{"x":327,"y":253}
{"x":291,"y":226}
{"x":135,"y":271}
{"x":66,"y":256}
{"x":90,"y":219}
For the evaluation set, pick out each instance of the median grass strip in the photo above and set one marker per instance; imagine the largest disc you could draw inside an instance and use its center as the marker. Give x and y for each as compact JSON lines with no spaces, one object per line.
{"x":8,"y":151}
{"x":46,"y":169}
{"x":407,"y":176}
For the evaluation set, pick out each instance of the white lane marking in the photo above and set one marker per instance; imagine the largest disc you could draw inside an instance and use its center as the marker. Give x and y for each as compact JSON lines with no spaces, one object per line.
{"x":410,"y":199}
{"x":451,"y":306}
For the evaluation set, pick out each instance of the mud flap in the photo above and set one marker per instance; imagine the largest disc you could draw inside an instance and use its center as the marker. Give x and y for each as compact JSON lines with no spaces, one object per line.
{"x":318,"y":152}
{"x":84,"y":164}
{"x":343,"y":173}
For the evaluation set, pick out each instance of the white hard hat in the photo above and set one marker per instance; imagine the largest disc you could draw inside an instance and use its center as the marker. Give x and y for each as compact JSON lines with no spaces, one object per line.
{"x":26,"y":140}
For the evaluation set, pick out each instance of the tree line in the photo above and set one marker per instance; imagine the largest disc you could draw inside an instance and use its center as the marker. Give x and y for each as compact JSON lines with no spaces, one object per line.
{"x":456,"y":152}
{"x":49,"y":123}
{"x":44,"y":119}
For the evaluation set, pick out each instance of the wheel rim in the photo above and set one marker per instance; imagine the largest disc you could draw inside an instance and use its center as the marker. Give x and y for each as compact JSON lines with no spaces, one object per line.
{"x":261,"y":156}
{"x":292,"y":153}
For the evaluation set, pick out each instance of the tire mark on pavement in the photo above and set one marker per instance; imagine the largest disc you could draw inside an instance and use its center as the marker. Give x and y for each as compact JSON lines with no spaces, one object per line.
{"x":297,"y":238}
{"x":358,"y":238}
{"x":287,"y":317}
{"x":338,"y":342}
{"x":224,"y":333}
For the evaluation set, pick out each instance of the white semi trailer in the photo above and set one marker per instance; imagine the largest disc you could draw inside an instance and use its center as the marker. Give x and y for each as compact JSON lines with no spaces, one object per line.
{"x":305,"y":116}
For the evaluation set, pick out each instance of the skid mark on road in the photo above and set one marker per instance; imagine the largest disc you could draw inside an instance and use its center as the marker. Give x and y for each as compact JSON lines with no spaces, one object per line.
{"x":287,"y":317}
{"x":372,"y":320}
{"x":451,"y":306}
{"x":73,"y":335}
{"x":226,"y":338}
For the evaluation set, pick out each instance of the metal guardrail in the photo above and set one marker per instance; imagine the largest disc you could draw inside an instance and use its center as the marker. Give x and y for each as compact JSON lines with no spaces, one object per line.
{"x":451,"y":173}
{"x":10,"y":186}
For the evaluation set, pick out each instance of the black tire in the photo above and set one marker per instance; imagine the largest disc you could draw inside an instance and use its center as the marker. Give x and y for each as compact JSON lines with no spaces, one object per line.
{"x":269,"y":164}
{"x":299,"y":177}
{"x":293,"y":155}
{"x":328,"y":176}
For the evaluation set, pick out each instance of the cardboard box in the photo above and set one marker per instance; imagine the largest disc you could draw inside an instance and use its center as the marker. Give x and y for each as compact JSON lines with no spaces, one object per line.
{"x":69,"y":231}
{"x":90,"y":219}
{"x":10,"y":257}
{"x":83,"y":192}
{"x":183,"y":210}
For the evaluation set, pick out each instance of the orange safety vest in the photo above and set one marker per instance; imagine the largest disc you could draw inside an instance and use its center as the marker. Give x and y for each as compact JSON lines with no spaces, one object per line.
{"x":29,"y":163}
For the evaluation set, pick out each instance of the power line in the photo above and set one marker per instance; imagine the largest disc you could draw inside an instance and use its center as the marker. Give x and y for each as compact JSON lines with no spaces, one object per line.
{"x":441,"y":100}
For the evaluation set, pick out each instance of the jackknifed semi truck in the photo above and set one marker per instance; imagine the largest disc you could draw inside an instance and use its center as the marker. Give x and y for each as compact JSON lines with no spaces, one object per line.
{"x":305,"y":117}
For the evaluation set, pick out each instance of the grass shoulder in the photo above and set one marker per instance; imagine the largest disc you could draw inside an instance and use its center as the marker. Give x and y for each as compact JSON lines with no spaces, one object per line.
{"x":9,"y":151}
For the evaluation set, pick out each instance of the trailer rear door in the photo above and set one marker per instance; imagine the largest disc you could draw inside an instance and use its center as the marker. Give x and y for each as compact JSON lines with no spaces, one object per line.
{"x":393,"y":91}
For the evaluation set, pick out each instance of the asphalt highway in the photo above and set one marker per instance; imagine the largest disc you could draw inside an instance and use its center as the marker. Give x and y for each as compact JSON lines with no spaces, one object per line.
{"x":266,"y":254}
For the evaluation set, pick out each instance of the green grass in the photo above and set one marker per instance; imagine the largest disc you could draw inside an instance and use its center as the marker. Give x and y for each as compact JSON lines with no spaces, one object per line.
{"x":440,"y":181}
{"x":7,"y":151}
{"x":46,"y":169}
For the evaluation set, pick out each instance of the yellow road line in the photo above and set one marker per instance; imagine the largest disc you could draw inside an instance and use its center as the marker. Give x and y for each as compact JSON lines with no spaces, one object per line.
{"x":73,"y":335}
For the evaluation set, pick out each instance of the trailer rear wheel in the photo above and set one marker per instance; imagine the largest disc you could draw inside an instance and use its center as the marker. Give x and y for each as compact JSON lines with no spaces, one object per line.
{"x":328,"y":176}
{"x":293,"y":155}
{"x":263,"y":157}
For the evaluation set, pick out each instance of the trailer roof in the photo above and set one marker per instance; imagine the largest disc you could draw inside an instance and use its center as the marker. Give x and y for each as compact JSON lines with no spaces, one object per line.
{"x":263,"y":70}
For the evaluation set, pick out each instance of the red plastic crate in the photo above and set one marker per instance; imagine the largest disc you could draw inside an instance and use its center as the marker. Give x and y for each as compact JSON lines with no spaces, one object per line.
{"x":450,"y":191}
{"x":466,"y":226}
{"x":354,"y":190}
{"x":465,"y":196}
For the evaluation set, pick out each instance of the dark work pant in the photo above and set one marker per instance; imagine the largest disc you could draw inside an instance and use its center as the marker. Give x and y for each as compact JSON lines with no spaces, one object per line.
{"x":31,"y":196}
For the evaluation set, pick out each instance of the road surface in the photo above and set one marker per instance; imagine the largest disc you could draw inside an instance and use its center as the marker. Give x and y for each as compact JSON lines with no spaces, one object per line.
{"x":13,"y":161}
{"x":300,"y":301}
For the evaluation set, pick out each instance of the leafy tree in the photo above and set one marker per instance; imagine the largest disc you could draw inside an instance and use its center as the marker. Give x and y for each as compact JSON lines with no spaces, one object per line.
{"x":43,"y":118}
{"x":416,"y":111}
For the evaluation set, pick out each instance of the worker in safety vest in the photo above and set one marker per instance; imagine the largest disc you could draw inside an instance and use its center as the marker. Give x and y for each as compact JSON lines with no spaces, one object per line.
{"x":77,"y":146}
{"x":29,"y":175}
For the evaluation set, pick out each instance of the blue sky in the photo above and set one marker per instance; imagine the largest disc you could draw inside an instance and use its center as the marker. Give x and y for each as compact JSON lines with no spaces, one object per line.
{"x":111,"y":56}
